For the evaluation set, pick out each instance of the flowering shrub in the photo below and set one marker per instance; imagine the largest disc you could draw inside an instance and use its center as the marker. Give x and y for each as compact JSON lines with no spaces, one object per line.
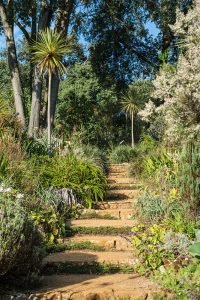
{"x":178,"y":87}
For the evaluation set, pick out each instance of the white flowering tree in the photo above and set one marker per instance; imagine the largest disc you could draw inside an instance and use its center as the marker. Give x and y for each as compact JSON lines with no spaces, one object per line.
{"x":178,"y":87}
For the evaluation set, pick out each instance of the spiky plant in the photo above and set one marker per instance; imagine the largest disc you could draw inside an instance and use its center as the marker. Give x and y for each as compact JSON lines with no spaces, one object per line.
{"x":47,"y":53}
{"x":130,"y":105}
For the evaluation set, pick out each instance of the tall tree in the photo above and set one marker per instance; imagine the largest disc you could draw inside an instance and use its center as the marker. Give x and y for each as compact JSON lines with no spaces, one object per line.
{"x":120,"y":46}
{"x":164,"y":13}
{"x":134,"y":99}
{"x":41,"y":15}
{"x":47,"y":53}
{"x":7,"y":19}
{"x":130,"y":105}
{"x":64,"y":11}
{"x":44,"y":20}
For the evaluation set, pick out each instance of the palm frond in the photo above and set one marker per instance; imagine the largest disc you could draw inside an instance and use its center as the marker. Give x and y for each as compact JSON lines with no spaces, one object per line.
{"x":129,"y":102}
{"x":48,"y":51}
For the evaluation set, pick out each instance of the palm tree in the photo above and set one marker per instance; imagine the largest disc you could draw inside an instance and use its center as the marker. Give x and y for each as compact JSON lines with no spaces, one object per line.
{"x":130,"y":105}
{"x":47,"y":53}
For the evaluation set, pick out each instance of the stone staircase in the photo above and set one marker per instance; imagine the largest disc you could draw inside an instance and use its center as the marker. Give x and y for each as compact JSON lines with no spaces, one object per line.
{"x":77,"y":274}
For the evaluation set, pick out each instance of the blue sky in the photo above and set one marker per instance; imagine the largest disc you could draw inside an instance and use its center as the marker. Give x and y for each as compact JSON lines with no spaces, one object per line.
{"x":151,"y":26}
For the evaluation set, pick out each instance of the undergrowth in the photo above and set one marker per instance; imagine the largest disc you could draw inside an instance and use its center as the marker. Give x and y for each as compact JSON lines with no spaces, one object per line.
{"x":84,"y":245}
{"x":86,"y":268}
{"x":101,"y":230}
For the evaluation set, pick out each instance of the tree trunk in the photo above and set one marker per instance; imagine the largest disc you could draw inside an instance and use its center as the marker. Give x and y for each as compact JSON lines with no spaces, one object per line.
{"x":132,"y":131}
{"x":13,"y":65}
{"x":34,"y":121}
{"x":63,"y":14}
{"x":54,"y":94}
{"x":49,"y":121}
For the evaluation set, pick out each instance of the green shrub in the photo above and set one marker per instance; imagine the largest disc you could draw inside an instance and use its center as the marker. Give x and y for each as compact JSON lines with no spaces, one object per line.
{"x":35,"y":146}
{"x":184,"y":281}
{"x":86,"y":179}
{"x":122,"y":154}
{"x":188,"y":177}
{"x":152,"y":162}
{"x":4,"y":163}
{"x":20,"y":243}
{"x":51,"y":223}
{"x":179,"y":222}
{"x":147,"y":144}
{"x":150,"y":206}
{"x":88,"y":152}
{"x":148,"y":245}
{"x":25,"y":175}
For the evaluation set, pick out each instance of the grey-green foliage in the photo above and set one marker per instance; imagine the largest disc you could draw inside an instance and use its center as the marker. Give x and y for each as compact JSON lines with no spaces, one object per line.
{"x":87,"y":152}
{"x":188,"y":179}
{"x":19,"y":242}
{"x":122,"y":154}
{"x":150,"y":206}
{"x":176,"y":243}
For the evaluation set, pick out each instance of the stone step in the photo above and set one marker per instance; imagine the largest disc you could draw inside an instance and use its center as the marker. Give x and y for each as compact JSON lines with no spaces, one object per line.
{"x":117,"y":204}
{"x":121,"y":194}
{"x":120,"y":180}
{"x":122,"y":214}
{"x":118,"y":172}
{"x":124,"y":186}
{"x":114,"y":167}
{"x":116,"y":213}
{"x":109,"y":242}
{"x":118,"y":175}
{"x":91,"y":287}
{"x":85,"y":256}
{"x":100,"y":223}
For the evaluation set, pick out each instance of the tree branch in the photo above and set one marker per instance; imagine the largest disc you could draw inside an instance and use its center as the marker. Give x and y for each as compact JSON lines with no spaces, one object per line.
{"x":23,"y":29}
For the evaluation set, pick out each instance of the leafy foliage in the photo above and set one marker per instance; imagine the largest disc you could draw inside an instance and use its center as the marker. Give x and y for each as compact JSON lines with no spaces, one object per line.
{"x":50,"y":221}
{"x":148,"y":245}
{"x":188,"y":177}
{"x":87,"y":152}
{"x":87,"y":107}
{"x":183,"y":281}
{"x":121,"y":46}
{"x":20,"y":250}
{"x":86,"y":179}
{"x":122,"y":154}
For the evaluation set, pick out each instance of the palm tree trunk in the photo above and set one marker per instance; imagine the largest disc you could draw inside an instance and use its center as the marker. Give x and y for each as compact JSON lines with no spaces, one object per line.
{"x":54,"y":94}
{"x":49,"y":115}
{"x":132,"y":131}
{"x":34,"y":122}
{"x":43,"y":22}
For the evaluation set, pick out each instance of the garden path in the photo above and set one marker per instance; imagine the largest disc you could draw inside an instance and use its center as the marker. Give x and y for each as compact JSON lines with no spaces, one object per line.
{"x":109,"y":231}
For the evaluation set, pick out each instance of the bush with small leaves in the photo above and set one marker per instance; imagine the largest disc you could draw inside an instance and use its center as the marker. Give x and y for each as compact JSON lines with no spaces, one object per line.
{"x":122,"y":154}
{"x":20,"y":242}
